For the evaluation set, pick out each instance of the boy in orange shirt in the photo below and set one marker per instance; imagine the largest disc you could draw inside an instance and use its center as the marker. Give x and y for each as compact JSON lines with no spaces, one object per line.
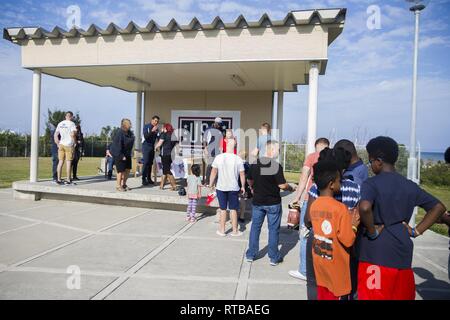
{"x":334,"y":232}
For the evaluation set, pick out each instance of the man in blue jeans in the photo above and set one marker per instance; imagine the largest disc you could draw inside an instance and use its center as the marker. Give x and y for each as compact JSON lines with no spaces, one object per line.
{"x":54,"y":149}
{"x":266,"y":178}
{"x":304,"y":185}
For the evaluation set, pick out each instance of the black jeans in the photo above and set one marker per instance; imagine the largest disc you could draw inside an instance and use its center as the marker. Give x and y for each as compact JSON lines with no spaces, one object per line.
{"x":55,"y":162}
{"x":311,"y":285}
{"x":76,"y":159}
{"x":148,"y":153}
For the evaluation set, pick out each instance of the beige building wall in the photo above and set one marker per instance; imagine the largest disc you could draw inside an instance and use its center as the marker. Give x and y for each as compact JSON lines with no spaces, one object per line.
{"x":256,"y":44}
{"x":255,"y":106}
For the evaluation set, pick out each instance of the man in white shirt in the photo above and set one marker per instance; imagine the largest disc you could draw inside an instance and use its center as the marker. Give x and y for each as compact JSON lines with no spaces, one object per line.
{"x":65,"y":140}
{"x":229,"y":168}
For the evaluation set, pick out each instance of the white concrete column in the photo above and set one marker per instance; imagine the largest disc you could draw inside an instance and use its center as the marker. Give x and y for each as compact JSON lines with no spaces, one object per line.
{"x":312,"y":107}
{"x":138,"y":124}
{"x":280,"y":105}
{"x":274,"y":118}
{"x":35,"y":117}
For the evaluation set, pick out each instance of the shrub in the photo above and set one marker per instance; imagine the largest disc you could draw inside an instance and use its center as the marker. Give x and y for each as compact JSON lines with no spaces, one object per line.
{"x":437,"y":174}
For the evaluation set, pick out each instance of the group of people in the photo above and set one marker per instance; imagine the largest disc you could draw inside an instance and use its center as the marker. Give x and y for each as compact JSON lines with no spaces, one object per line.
{"x":355,"y":238}
{"x":120,"y":152}
{"x":67,"y":143}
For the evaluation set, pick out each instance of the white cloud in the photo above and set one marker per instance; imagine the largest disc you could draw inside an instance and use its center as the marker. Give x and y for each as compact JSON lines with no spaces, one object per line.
{"x":431,"y":41}
{"x":106,"y":16}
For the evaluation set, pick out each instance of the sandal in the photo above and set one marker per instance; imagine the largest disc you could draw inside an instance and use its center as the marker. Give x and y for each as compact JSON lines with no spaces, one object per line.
{"x":120,"y":189}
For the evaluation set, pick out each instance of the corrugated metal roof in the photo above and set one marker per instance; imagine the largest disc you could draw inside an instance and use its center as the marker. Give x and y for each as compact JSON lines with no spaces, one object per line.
{"x":293,"y":18}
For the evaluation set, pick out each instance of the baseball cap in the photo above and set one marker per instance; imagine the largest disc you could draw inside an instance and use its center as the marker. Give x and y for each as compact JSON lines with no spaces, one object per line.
{"x":218,"y":120}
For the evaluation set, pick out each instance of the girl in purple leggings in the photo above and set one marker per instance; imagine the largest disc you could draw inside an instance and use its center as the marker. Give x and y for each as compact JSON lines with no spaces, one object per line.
{"x":194,"y":184}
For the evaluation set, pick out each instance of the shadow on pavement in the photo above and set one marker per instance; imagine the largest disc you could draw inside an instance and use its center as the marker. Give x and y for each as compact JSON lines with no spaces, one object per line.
{"x":431,"y":288}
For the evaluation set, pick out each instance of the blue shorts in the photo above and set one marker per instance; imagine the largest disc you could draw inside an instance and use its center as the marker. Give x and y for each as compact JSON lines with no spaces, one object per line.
{"x":228,"y":199}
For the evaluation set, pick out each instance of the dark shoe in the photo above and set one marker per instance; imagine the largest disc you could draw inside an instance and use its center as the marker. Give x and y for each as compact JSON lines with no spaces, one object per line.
{"x":145,"y":182}
{"x":67,"y":183}
{"x":109,"y":175}
{"x":76,"y":179}
{"x":59,"y":183}
{"x":150,"y":181}
{"x":240,"y":220}
{"x":126,"y":188}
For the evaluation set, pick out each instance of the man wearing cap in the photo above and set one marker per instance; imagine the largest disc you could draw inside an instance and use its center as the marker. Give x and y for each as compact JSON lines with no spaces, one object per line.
{"x":211,"y":144}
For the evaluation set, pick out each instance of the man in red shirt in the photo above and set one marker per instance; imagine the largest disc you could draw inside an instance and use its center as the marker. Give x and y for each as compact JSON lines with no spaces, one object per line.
{"x":304,"y":185}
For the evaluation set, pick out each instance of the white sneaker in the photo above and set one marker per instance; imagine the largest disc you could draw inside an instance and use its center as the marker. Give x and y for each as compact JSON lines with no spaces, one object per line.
{"x":297,"y":275}
{"x":220,"y":233}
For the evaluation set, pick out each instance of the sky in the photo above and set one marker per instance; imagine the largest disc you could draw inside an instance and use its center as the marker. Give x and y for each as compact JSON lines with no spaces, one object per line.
{"x":365,"y":92}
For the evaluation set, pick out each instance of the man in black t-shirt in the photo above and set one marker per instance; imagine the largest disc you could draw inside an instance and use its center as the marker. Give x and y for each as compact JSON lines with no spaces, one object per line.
{"x":266,"y":178}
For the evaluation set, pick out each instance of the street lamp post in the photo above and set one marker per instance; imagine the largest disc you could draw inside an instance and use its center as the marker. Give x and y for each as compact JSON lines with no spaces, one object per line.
{"x":412,"y":160}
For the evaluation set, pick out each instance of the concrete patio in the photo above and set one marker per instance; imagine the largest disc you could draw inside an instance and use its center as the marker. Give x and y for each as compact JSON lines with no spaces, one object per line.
{"x":98,"y":190}
{"x":142,"y":253}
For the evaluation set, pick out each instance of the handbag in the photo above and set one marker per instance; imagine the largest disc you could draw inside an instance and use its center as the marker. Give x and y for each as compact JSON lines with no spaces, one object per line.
{"x":293,"y":220}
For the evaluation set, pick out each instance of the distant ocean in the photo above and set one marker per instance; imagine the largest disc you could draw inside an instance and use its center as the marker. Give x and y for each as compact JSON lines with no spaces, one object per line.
{"x":432,"y":156}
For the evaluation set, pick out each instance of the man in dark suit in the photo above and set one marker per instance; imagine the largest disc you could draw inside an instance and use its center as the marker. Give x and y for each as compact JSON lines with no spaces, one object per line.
{"x":150,"y":133}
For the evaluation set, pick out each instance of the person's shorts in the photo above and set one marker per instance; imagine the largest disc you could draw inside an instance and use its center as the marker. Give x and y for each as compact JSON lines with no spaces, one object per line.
{"x":383,"y":283}
{"x":325,"y":294}
{"x":65,"y":153}
{"x":228,"y":199}
{"x":122,"y":165}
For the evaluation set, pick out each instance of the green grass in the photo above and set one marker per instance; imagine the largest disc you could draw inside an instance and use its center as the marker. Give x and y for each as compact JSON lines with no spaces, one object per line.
{"x":292,"y":177}
{"x":442,"y":193}
{"x":15,"y":169}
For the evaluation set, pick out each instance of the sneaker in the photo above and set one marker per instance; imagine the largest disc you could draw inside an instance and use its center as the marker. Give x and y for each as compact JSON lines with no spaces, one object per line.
{"x":237,"y":234}
{"x":188,"y":218}
{"x":192,"y":220}
{"x":220,"y":233}
{"x":275,"y":263}
{"x":298,"y":275}
{"x":249,"y":259}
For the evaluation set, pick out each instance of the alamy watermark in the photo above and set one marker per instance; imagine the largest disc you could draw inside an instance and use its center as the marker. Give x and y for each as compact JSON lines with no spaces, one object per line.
{"x":373,"y":21}
{"x":73,"y":282}
{"x":73,"y":17}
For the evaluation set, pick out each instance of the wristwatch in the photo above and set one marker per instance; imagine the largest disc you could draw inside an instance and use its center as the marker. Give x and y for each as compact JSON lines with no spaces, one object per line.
{"x":373,"y":236}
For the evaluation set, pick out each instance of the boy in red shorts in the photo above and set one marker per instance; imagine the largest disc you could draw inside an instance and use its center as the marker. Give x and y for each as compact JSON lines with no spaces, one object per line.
{"x":387,"y":203}
{"x":334,"y":233}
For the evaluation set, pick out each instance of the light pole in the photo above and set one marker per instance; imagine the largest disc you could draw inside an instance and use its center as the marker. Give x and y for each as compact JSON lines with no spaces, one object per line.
{"x":417,"y":7}
{"x":412,"y":160}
